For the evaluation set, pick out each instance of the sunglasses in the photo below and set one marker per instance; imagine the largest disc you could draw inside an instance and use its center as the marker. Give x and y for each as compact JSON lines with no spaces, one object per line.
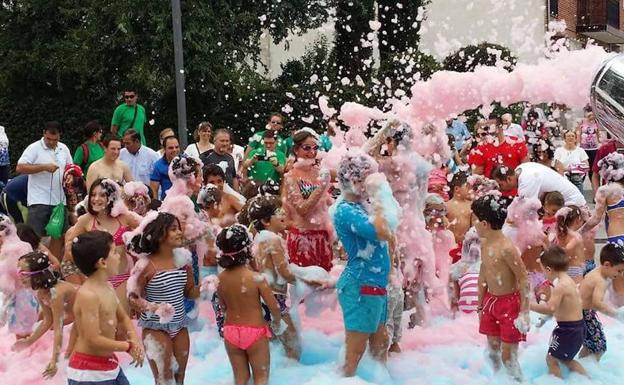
{"x":272,"y":122}
{"x":307,"y":147}
{"x":129,"y":96}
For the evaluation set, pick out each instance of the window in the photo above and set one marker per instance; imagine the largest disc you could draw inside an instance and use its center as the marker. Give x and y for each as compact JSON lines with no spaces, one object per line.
{"x":553,"y":7}
{"x":613,"y":13}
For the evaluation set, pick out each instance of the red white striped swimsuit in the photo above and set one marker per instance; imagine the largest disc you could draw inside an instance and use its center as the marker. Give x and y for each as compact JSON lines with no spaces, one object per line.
{"x":468,"y":292}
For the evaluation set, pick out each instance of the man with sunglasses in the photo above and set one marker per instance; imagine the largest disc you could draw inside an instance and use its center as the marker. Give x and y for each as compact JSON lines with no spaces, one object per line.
{"x":130,"y":114}
{"x":276,"y":124}
{"x":495,"y":150}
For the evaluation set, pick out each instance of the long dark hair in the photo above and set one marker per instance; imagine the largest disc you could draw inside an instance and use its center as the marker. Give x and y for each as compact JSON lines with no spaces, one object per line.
{"x":234,"y":243}
{"x":148,"y":242}
{"x":109,"y":190}
{"x":45,"y":277}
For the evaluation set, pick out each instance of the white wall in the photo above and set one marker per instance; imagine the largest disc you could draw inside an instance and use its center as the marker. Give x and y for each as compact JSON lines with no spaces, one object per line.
{"x":450,"y":25}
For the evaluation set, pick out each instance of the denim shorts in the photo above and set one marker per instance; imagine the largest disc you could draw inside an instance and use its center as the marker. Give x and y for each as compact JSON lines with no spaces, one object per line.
{"x":362,"y":313}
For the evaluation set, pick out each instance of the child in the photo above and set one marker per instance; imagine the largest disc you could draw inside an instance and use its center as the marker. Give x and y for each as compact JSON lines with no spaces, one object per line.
{"x":98,"y":315}
{"x":56,"y":300}
{"x":269,"y":221}
{"x":565,"y":304}
{"x":396,"y":299}
{"x":503,"y":286}
{"x":28,"y":235}
{"x":553,"y":202}
{"x":569,"y":220}
{"x":458,"y":211}
{"x":165,"y":279}
{"x":208,"y":200}
{"x":240,"y":292}
{"x":593,"y":288}
{"x":465,"y":274}
{"x":231,"y":201}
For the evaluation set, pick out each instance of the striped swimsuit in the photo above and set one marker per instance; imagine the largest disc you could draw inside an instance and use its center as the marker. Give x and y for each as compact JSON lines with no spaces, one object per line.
{"x":166,"y":286}
{"x":468,"y":292}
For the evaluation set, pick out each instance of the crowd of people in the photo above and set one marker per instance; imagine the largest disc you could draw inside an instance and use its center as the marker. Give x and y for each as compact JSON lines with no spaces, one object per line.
{"x":491,"y":221}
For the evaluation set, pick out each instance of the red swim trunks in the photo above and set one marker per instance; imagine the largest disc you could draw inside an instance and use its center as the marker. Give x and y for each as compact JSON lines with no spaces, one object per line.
{"x":498,"y":316}
{"x":455,"y":253}
{"x":309,"y":248}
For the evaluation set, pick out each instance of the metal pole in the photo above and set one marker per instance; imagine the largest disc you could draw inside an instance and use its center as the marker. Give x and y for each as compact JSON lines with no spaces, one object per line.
{"x":176,"y":14}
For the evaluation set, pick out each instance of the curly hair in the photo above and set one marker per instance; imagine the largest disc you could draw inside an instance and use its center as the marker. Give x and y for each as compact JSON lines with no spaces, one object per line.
{"x":234,"y":243}
{"x":43,"y":277}
{"x":148,"y":242}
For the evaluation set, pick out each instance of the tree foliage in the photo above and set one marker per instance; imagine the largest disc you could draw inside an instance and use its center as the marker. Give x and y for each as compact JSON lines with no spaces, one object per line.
{"x":468,"y":58}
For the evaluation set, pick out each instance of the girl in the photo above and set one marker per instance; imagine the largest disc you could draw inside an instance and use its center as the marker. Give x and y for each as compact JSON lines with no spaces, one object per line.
{"x":569,"y":221}
{"x":107,"y":212}
{"x":267,"y":218}
{"x":56,"y":302}
{"x":166,"y":280}
{"x":240,"y":291}
{"x":28,"y":235}
{"x":306,"y":200}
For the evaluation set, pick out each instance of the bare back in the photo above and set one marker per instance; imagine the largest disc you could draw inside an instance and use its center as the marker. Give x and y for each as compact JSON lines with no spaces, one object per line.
{"x":240,"y":290}
{"x":570,"y":308}
{"x":459,"y":215}
{"x":497,"y":258}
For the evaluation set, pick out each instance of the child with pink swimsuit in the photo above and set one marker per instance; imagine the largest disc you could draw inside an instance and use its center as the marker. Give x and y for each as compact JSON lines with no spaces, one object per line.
{"x":240,"y":293}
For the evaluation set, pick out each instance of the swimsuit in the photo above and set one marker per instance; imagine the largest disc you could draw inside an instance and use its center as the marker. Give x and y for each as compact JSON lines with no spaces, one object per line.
{"x":498,"y":316}
{"x":364,"y":308}
{"x":566,"y":340}
{"x":595,"y":340}
{"x":69,"y":268}
{"x":468,"y":292}
{"x":576,"y":271}
{"x":166,"y":286}
{"x":615,"y":239}
{"x":87,"y":369}
{"x":116,"y":280}
{"x":244,"y":337}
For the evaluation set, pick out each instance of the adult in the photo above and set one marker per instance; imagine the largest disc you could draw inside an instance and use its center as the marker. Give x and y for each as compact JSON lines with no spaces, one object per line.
{"x":495,"y":149}
{"x":102,"y":203}
{"x":202,"y":136}
{"x":139,"y":158}
{"x":165,"y":132}
{"x":265,"y":164}
{"x":534,"y":180}
{"x":543,"y":153}
{"x":221,"y":156}
{"x":5,"y":162}
{"x":91,"y":150}
{"x":325,"y":140}
{"x":362,"y":284}
{"x":110,"y":166}
{"x":534,"y":128}
{"x":607,"y":147}
{"x":510,"y":129}
{"x":160,"y":175}
{"x":306,"y":199}
{"x":590,"y":139}
{"x":460,"y":132}
{"x":129,"y":114}
{"x":44,"y":162}
{"x":571,"y":160}
{"x":14,"y":198}
{"x":275,"y":123}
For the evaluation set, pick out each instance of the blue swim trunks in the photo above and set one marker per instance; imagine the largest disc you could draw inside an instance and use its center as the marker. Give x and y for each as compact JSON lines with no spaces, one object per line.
{"x":595,"y":340}
{"x":85,"y":369}
{"x":364,"y":308}
{"x":567,"y":339}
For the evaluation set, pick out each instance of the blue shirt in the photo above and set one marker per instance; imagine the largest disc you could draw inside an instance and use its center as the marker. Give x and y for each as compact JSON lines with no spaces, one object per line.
{"x":368,"y":260}
{"x":17,"y":189}
{"x":460,"y":132}
{"x":161,"y":175}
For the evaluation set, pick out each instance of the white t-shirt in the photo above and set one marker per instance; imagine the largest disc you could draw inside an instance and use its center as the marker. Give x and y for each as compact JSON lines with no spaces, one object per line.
{"x":193,"y":150}
{"x":238,"y":153}
{"x":535,"y":180}
{"x":45,"y":188}
{"x":570,"y":158}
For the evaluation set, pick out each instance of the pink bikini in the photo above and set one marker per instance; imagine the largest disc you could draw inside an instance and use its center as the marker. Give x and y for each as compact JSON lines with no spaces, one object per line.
{"x":116,"y":280}
{"x":243,"y":337}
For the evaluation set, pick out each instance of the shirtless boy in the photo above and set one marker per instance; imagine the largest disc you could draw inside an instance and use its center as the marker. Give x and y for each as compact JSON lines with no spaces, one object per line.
{"x":98,"y":314}
{"x":503,"y":287}
{"x":110,"y":166}
{"x":593,"y":288}
{"x":230,"y":204}
{"x":458,"y":211}
{"x":565,"y":304}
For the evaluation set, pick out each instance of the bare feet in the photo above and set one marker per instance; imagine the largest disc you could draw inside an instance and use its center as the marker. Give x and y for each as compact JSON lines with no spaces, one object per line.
{"x":394,"y":348}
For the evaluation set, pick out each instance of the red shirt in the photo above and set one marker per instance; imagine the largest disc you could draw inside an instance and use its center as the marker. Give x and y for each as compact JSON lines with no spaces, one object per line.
{"x":604,"y":150}
{"x":489,"y":156}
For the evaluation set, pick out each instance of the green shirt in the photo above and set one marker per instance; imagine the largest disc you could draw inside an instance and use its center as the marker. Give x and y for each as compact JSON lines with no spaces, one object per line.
{"x":283,"y":144}
{"x":263,"y":170}
{"x":96,"y":151}
{"x":122,"y":117}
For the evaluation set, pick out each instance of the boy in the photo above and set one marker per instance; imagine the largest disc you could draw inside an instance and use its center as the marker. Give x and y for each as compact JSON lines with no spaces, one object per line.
{"x":230,"y":203}
{"x":565,"y":304}
{"x":97,"y":314}
{"x":503,"y":287}
{"x":593,"y":288}
{"x":458,"y":211}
